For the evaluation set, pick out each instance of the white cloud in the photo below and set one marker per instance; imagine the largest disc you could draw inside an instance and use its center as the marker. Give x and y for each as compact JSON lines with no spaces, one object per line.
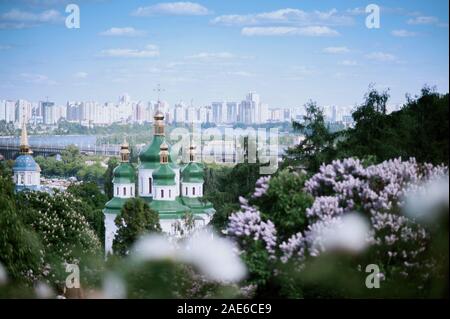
{"x":123,"y":32}
{"x":80,"y":75}
{"x":348,"y":63}
{"x":149,"y":51}
{"x":336,"y":50}
{"x":172,"y":8}
{"x":36,"y":78}
{"x":384,"y":10}
{"x":403,"y":33}
{"x":240,"y":73}
{"x":212,"y":55}
{"x":18,"y":19}
{"x":381,"y":57}
{"x":422,"y":20}
{"x":312,"y":31}
{"x":285,"y":16}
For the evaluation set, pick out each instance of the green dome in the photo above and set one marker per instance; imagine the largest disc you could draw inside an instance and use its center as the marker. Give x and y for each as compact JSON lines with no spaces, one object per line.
{"x":164,"y":175}
{"x":149,"y":155}
{"x":193,"y":173}
{"x":124,"y":173}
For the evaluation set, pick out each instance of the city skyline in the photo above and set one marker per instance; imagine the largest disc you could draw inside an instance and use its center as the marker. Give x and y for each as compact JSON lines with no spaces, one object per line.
{"x":209,"y":51}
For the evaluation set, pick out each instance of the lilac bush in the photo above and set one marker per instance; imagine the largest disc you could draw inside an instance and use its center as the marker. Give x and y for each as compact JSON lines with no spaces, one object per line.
{"x":376,"y":193}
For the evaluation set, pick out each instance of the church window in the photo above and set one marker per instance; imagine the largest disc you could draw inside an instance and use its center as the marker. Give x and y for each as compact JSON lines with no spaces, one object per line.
{"x":193,"y":190}
{"x":124,"y":191}
{"x":170,"y":193}
{"x":162,"y":193}
{"x":149,"y":185}
{"x":117,"y":191}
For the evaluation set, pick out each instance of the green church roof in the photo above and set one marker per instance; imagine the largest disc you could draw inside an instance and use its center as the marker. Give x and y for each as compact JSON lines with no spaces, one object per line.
{"x":164,"y":175}
{"x":193,"y":173}
{"x":169,"y":209}
{"x":124,"y":173}
{"x":196,"y":205}
{"x":149,"y":155}
{"x":114,"y":205}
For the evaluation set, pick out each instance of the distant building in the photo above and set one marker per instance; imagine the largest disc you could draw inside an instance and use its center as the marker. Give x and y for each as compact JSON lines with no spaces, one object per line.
{"x":170,"y":189}
{"x":27,"y":173}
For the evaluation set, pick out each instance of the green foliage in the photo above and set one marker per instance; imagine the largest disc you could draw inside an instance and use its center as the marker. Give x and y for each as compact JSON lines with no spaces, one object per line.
{"x":20,"y":248}
{"x":72,"y":163}
{"x":285,"y":203}
{"x":135,"y":219}
{"x":317,"y":146}
{"x":92,"y":201}
{"x":64,"y":231}
{"x":420,"y":129}
{"x":224,"y":185}
{"x":108,"y":177}
{"x":7,"y":129}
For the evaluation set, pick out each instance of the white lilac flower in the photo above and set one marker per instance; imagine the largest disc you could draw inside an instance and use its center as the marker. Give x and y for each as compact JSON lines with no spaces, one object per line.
{"x":261,"y":186}
{"x":43,"y":291}
{"x":424,"y":202}
{"x":3,"y":275}
{"x":294,"y":247}
{"x":214,"y":256}
{"x":347,"y":233}
{"x":113,"y":287}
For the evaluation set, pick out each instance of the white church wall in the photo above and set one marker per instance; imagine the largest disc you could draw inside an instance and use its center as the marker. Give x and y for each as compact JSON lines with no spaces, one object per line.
{"x":123,"y":190}
{"x":192,"y":189}
{"x":145,"y":176}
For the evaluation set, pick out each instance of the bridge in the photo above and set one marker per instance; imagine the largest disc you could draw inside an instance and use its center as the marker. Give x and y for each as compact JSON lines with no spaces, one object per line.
{"x":11,"y":151}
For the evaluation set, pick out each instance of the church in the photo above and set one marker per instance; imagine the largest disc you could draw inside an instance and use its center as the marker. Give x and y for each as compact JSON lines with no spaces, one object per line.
{"x":171,"y":189}
{"x":27,"y":173}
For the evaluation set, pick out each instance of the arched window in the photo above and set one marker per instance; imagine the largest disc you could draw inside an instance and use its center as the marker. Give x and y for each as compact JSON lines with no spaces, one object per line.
{"x":162,"y":193}
{"x":193,"y":190}
{"x":124,"y":191}
{"x":131,"y":190}
{"x":117,"y":191}
{"x":150,"y":185}
{"x":170,"y":193}
{"x":186,"y":191}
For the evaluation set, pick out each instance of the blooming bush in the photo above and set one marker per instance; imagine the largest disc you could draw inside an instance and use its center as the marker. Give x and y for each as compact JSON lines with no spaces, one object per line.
{"x":354,"y":207}
{"x":64,"y":232}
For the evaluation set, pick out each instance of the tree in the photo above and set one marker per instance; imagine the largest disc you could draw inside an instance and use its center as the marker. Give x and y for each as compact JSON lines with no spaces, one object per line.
{"x":317,"y":145}
{"x":108,"y":177}
{"x":92,"y":202}
{"x":135,"y":219}
{"x":20,"y":247}
{"x":285,"y":204}
{"x":419,"y":129}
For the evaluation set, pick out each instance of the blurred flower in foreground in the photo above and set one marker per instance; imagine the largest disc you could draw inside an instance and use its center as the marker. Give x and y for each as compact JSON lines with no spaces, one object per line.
{"x":153,"y":247}
{"x":214,"y":256}
{"x":43,"y":291}
{"x":347,"y":233}
{"x":3,"y":275}
{"x":113,"y":287}
{"x":426,"y":201}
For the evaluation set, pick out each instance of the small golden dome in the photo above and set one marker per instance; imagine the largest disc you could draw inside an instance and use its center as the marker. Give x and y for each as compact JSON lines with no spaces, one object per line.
{"x":164,"y":146}
{"x":159,"y":116}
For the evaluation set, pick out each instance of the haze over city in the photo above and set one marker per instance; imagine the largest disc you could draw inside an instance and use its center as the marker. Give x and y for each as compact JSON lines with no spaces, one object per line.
{"x":287,"y":51}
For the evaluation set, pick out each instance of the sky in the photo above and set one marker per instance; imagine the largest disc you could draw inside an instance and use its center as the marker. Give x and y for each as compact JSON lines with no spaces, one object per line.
{"x":287,"y":51}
